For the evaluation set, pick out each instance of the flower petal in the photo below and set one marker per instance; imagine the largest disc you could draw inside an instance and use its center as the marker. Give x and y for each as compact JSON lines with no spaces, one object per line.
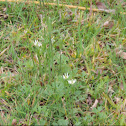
{"x":65,"y":76}
{"x":72,"y":81}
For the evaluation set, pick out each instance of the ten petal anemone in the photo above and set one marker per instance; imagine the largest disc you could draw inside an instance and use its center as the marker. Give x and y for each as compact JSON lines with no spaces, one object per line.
{"x":72,"y":81}
{"x":65,"y":76}
{"x":36,"y":43}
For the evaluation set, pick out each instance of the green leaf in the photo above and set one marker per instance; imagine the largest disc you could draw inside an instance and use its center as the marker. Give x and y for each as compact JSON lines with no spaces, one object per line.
{"x":63,"y":122}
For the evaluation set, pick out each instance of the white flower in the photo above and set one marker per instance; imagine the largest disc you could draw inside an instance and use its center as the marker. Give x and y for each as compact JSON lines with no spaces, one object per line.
{"x":36,"y":43}
{"x":39,"y":44}
{"x":65,"y":76}
{"x":72,"y":81}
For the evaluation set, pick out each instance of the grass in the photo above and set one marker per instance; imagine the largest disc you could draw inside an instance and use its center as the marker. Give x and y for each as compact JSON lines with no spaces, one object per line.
{"x":32,"y":88}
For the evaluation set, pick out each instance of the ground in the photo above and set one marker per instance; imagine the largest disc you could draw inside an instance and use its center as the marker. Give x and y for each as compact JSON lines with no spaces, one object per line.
{"x":63,"y":66}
